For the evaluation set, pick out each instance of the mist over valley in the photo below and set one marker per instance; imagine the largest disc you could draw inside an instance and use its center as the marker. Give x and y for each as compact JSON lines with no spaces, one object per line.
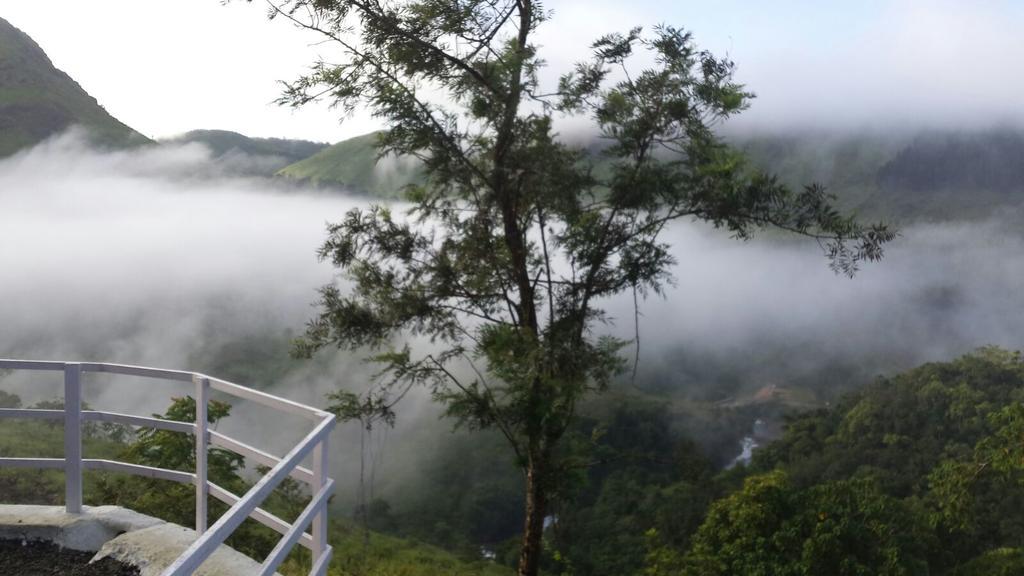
{"x":642,"y":329}
{"x":154,"y":256}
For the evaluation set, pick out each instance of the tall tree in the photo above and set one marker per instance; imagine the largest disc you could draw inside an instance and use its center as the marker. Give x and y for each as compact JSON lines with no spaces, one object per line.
{"x":515,"y":239}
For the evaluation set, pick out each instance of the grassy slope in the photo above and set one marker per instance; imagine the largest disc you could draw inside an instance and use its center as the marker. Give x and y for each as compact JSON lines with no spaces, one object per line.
{"x":352,"y":164}
{"x":224,"y":142}
{"x":37,"y":100}
{"x":373,"y":554}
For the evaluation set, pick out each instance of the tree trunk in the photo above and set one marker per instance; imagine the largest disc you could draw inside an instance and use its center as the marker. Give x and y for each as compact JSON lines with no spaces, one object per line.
{"x":536,"y":510}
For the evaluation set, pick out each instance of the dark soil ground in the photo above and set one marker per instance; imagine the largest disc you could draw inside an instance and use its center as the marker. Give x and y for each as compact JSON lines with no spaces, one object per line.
{"x":19,"y":558}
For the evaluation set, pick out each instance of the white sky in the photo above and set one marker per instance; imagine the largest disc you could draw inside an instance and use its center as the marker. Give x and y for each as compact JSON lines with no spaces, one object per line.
{"x":165,"y":67}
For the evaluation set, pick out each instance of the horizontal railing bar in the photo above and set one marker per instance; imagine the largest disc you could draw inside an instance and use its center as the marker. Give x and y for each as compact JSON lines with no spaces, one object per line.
{"x":116,"y":417}
{"x":41,"y":463}
{"x":176,"y":375}
{"x":284,"y":546}
{"x":143,"y":371}
{"x":266,"y":399}
{"x":6,"y":364}
{"x":201,"y":549}
{"x":138,"y":470}
{"x":32,"y":413}
{"x":222,"y":441}
{"x":260,"y":515}
{"x":99,"y":464}
{"x":216,"y":438}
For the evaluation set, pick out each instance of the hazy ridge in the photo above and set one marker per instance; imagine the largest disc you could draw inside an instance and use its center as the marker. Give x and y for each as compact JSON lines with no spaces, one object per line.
{"x":903,"y":175}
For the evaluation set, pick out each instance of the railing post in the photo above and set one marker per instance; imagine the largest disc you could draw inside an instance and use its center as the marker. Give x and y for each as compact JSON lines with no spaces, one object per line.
{"x":202,"y":488}
{"x":73,"y":438}
{"x":320,"y":472}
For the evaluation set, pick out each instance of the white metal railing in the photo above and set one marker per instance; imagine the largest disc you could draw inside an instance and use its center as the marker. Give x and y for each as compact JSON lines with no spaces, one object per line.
{"x":241,"y":507}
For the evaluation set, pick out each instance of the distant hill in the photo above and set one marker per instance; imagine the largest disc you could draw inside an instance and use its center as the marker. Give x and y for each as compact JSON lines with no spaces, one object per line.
{"x":991,"y":160}
{"x":960,"y":174}
{"x":255,"y":156}
{"x":926,"y":176}
{"x":353,"y":165}
{"x":932,"y":175}
{"x":37,"y":100}
{"x":847,"y":164}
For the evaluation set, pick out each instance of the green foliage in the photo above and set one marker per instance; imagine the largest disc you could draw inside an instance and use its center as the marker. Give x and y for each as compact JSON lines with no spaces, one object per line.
{"x":176,"y":451}
{"x":467,"y":496}
{"x":919,"y":473}
{"x":360,"y":554}
{"x":897,"y":429}
{"x":970,"y":492}
{"x":627,"y":467}
{"x":845,"y":528}
{"x":176,"y":502}
{"x":513,"y":239}
{"x":354,"y":165}
{"x":633,"y":474}
{"x":999,"y":562}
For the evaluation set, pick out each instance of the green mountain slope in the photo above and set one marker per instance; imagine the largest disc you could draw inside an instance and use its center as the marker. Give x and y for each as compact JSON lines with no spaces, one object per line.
{"x":916,"y":474}
{"x":960,"y":174}
{"x":273,"y":153}
{"x":931,"y":175}
{"x":847,"y":163}
{"x":353,"y":165}
{"x":941,"y":442}
{"x":38,"y":100}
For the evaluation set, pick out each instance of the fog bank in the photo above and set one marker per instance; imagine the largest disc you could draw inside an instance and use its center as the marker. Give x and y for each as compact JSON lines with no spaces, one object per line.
{"x":154,"y":257}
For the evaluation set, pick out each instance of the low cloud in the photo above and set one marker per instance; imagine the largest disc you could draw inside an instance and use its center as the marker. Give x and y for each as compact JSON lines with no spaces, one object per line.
{"x":131,"y":257}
